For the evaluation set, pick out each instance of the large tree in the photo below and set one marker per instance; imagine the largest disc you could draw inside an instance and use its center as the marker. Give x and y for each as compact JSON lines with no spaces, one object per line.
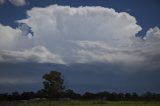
{"x":53,"y":84}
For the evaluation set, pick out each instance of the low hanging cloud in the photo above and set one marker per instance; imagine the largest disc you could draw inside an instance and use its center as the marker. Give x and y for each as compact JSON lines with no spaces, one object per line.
{"x":92,"y":51}
{"x":4,"y":80}
{"x":142,"y":51}
{"x":83,"y":35}
{"x":36,"y":54}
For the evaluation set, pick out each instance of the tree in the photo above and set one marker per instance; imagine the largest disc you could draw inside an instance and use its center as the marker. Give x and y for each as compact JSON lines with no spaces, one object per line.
{"x":121,"y":96}
{"x":71,"y":94}
{"x":27,"y":95}
{"x":102,"y":95}
{"x":127,"y":96}
{"x":89,"y":96}
{"x":15,"y":96}
{"x":53,"y":84}
{"x":134,"y":96}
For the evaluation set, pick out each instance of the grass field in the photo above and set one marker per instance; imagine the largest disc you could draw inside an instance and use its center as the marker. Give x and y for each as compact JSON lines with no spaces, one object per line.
{"x":79,"y":103}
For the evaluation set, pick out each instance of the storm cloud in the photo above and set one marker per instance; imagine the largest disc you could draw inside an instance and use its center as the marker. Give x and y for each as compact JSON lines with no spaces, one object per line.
{"x":83,"y":35}
{"x":81,"y":41}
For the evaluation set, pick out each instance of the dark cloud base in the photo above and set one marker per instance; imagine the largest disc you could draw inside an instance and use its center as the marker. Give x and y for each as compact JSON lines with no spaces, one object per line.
{"x":82,"y":77}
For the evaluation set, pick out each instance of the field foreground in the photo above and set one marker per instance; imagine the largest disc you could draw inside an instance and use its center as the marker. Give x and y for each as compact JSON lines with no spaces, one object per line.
{"x":80,"y":103}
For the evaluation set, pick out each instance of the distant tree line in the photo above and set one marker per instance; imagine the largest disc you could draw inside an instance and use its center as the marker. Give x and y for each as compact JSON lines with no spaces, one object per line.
{"x":54,"y":89}
{"x":71,"y":95}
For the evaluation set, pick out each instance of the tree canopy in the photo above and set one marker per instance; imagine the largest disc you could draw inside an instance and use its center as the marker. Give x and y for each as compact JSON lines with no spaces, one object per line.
{"x":53,"y":84}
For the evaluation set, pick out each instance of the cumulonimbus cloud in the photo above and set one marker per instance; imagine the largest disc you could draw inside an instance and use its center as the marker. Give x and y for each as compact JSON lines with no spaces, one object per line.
{"x":88,"y":34}
{"x":63,"y":25}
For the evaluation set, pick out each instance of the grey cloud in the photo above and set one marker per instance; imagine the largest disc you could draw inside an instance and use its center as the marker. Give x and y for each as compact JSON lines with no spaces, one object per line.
{"x":18,"y":2}
{"x":15,"y":80}
{"x":2,"y":2}
{"x":102,"y":52}
{"x":141,"y":52}
{"x":37,"y":54}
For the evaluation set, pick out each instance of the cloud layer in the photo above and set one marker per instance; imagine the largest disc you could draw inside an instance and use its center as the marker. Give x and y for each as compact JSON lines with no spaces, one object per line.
{"x":36,"y":54}
{"x":82,"y":35}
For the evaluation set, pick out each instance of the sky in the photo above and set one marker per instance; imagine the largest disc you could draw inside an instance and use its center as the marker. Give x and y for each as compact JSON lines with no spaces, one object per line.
{"x":100,"y":45}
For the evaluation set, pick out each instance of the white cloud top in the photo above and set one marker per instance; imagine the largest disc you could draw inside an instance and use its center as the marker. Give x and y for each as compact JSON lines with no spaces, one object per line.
{"x":82,"y":34}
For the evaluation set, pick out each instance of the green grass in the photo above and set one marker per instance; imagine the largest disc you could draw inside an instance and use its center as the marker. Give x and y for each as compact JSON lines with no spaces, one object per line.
{"x":79,"y":103}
